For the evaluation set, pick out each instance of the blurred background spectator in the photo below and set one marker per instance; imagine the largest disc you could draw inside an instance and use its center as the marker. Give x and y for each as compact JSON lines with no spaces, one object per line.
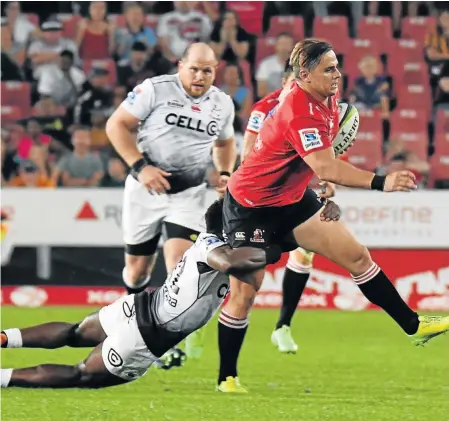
{"x":95,"y":35}
{"x":81,"y":167}
{"x":142,"y":64}
{"x":70,"y":64}
{"x":271,"y":69}
{"x":61,"y":81}
{"x":228,"y":39}
{"x":371,"y":89}
{"x":135,"y":30}
{"x":177,"y":29}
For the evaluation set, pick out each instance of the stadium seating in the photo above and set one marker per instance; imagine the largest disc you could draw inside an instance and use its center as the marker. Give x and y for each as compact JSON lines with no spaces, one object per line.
{"x":377,"y":29}
{"x":439,"y":169}
{"x":10,"y":114}
{"x":265,"y":47}
{"x":17,"y":94}
{"x":416,"y":28}
{"x":416,"y":97}
{"x":293,"y":25}
{"x":366,"y":152}
{"x":335,"y":30}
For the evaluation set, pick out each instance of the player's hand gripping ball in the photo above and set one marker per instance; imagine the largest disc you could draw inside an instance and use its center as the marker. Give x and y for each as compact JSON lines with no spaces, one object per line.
{"x":348,"y":124}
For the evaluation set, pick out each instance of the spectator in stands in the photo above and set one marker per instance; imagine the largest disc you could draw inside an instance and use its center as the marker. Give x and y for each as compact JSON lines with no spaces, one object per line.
{"x":437,"y":40}
{"x":98,"y":136}
{"x":320,"y":9}
{"x":47,"y":107}
{"x":228,"y":39}
{"x":9,"y":159}
{"x":35,"y":137}
{"x":234,"y":87}
{"x":47,"y":49}
{"x":371,"y":89}
{"x":271,"y":69}
{"x":80,"y":168}
{"x":95,"y":95}
{"x":442,"y":93}
{"x":22,"y":30}
{"x":95,"y":36}
{"x":141,"y":65}
{"x":62,"y":81}
{"x":135,"y":30}
{"x":15,"y":51}
{"x":116,"y":174}
{"x":178,"y":29}
{"x":119,"y":96}
{"x":30,"y":176}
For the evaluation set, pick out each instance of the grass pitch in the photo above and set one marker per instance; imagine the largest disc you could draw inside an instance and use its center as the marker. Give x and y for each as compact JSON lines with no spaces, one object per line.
{"x":350,"y":367}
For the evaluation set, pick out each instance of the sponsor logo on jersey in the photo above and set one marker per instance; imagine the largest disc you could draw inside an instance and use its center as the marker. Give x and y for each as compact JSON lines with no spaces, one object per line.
{"x":310,"y":139}
{"x":257,"y":236}
{"x":175,"y":104}
{"x":196,"y":108}
{"x":255,"y":121}
{"x":191,"y":123}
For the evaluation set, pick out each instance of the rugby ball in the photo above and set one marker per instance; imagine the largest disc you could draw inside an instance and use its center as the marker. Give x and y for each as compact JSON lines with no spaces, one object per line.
{"x":348,"y":124}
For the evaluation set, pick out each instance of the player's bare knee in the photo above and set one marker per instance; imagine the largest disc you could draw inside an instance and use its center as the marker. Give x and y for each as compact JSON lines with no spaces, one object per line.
{"x":361,"y":261}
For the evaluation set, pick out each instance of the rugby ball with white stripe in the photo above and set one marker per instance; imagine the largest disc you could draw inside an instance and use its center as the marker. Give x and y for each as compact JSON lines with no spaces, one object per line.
{"x":348,"y":124}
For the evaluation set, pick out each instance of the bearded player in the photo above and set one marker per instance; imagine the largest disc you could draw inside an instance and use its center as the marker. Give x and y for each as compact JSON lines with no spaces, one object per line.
{"x":268,"y":196}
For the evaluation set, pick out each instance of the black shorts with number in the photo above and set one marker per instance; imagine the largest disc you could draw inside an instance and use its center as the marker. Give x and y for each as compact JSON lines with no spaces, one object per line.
{"x":260,"y":227}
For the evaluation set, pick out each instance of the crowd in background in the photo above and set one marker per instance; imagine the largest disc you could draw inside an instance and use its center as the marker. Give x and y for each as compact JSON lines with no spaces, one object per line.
{"x":64,"y":71}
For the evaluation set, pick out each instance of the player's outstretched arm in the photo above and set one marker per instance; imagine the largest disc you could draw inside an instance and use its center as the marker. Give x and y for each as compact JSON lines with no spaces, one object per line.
{"x":328,"y":168}
{"x":242,"y":261}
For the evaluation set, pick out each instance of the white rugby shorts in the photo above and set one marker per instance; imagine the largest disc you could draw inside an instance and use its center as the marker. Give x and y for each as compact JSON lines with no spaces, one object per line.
{"x":144,"y":213}
{"x":124,"y":351}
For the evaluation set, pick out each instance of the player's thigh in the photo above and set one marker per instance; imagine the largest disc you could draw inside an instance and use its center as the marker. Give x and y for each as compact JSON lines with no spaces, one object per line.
{"x":142,"y":216}
{"x":121,"y":311}
{"x":125,"y":353}
{"x":94,"y":374}
{"x":90,"y":332}
{"x":333,"y":241}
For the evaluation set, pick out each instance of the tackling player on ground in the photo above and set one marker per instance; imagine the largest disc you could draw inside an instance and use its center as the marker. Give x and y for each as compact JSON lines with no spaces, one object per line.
{"x":130,"y":334}
{"x":268,"y":197}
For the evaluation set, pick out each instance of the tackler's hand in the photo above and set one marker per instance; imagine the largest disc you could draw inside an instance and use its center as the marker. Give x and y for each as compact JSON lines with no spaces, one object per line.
{"x":331,"y":212}
{"x":222,"y":185}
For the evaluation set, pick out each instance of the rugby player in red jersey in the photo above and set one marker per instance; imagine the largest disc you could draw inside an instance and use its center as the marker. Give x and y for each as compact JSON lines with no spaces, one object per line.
{"x":268,"y":201}
{"x":299,"y":263}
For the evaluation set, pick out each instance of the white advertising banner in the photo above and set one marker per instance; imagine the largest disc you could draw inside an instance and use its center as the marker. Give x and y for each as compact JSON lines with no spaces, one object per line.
{"x":92,"y":217}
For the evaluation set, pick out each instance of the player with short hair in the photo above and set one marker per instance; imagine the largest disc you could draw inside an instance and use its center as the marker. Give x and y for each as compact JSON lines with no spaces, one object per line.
{"x":130,"y":334}
{"x":178,"y":118}
{"x":268,"y":194}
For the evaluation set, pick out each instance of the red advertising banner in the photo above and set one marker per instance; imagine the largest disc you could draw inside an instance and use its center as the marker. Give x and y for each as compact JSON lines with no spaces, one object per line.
{"x":421,"y":277}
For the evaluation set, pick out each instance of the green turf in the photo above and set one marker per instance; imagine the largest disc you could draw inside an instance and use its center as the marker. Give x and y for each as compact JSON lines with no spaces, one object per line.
{"x":350,"y":366}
